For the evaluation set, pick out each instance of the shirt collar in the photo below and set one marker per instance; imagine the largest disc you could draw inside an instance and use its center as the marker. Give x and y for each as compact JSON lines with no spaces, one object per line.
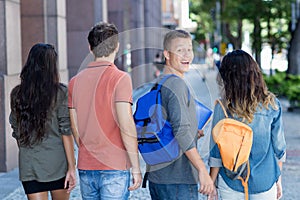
{"x":99,"y":64}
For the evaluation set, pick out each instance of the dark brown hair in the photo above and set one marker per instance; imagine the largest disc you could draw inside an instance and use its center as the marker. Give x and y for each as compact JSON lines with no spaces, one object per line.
{"x":103,"y":39}
{"x":34,"y":96}
{"x":243,"y":85}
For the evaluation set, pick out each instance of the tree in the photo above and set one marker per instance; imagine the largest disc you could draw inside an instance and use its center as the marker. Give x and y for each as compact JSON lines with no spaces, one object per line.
{"x":268,"y":17}
{"x":205,"y":19}
{"x":231,"y":22}
{"x":276,"y":17}
{"x":294,"y":51}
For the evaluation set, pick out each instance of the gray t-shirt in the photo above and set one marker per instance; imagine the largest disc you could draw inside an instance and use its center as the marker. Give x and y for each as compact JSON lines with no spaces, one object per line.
{"x":181,"y":113}
{"x":46,"y":161}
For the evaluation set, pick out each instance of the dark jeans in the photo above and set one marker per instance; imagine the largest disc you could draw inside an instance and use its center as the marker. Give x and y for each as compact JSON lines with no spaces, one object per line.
{"x":173,"y":191}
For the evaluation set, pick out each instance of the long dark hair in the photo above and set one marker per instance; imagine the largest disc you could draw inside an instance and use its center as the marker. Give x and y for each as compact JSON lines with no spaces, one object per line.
{"x":37,"y":92}
{"x":244,"y":88}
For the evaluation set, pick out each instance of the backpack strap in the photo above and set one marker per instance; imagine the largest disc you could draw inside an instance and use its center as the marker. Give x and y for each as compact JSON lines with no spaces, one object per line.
{"x":163,"y":80}
{"x":159,"y":84}
{"x":145,"y":179}
{"x":245,"y":182}
{"x":221,"y":104}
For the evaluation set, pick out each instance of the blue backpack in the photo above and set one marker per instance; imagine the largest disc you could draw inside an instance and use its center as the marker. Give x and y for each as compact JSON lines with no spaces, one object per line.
{"x":156,"y":141}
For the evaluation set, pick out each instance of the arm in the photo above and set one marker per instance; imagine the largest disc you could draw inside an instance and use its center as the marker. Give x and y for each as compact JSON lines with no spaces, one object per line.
{"x":74,"y":126}
{"x":279,"y":145}
{"x":70,"y":181}
{"x":278,"y":183}
{"x":72,"y":112}
{"x":14,"y":126}
{"x":214,"y":171}
{"x":214,"y":160}
{"x":64,"y":125}
{"x":215,"y":163}
{"x":175,"y":98}
{"x":206,"y":184}
{"x":129,"y":137}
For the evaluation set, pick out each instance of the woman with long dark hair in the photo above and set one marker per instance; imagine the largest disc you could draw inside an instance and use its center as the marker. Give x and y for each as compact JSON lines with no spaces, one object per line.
{"x":41,"y":125}
{"x":246,"y":98}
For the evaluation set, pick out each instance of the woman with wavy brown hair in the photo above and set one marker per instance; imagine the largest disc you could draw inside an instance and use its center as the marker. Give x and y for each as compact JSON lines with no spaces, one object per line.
{"x":246,"y":98}
{"x":41,"y":125}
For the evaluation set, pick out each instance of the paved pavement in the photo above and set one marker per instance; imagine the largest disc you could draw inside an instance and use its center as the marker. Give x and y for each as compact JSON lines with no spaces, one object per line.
{"x":11,"y":189}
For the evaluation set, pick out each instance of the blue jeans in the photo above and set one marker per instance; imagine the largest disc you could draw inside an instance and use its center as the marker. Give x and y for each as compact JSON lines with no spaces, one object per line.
{"x":104,"y":184}
{"x":173,"y":191}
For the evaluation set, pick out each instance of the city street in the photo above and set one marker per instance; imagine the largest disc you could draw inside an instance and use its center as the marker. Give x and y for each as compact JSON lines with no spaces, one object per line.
{"x":11,"y":189}
{"x":132,"y":35}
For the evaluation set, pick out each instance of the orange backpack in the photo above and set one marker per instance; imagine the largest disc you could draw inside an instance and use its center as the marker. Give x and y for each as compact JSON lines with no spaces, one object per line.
{"x":234,"y":139}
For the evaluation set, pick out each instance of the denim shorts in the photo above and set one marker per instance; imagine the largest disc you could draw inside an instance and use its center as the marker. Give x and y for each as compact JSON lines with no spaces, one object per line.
{"x":226,"y":193}
{"x":173,"y":191}
{"x":104,"y":184}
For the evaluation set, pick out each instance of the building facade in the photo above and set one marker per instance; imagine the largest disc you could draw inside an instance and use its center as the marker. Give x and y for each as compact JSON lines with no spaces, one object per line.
{"x":22,"y":25}
{"x":65,"y":24}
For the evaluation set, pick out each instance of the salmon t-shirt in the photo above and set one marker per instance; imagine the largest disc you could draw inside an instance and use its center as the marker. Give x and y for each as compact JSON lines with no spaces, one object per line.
{"x":93,"y":93}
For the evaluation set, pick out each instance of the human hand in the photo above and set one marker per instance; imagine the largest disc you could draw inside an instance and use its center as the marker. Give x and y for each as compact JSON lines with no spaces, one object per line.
{"x":279,"y":189}
{"x":200,"y":134}
{"x":213,"y":195}
{"x":136,"y":179}
{"x":207,"y":186}
{"x":70,"y":181}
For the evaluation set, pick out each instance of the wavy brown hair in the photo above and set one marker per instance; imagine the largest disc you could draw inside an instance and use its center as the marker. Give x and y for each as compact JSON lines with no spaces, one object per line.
{"x":244,"y":89}
{"x":33,"y":97}
{"x":103,"y":39}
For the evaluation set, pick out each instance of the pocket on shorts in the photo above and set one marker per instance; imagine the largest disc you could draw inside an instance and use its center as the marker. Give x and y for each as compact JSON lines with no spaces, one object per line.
{"x":115,"y":184}
{"x":86,"y":181}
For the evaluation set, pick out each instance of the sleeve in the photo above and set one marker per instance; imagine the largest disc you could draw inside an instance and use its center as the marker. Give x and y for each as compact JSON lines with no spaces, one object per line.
{"x":12,"y":116}
{"x":215,"y":157}
{"x":277,"y":135}
{"x":70,"y":94}
{"x":178,"y":112}
{"x":63,"y":115}
{"x":123,"y":92}
{"x":14,"y":125}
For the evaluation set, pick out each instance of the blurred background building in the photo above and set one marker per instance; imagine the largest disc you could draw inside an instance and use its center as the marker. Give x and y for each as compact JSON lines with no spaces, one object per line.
{"x":65,"y":24}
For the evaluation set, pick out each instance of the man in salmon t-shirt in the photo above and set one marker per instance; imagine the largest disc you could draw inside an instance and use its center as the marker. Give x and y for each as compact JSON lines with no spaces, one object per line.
{"x":100,"y":99}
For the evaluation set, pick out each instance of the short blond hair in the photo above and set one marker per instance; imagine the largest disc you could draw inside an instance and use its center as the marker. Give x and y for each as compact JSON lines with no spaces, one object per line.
{"x":174,"y":34}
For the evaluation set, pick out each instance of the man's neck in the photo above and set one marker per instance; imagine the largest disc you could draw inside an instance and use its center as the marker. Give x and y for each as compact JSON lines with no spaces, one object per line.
{"x":170,"y":70}
{"x":109,"y":58}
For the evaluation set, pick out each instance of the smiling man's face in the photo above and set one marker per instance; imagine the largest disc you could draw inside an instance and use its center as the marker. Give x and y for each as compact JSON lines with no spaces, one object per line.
{"x":180,"y":55}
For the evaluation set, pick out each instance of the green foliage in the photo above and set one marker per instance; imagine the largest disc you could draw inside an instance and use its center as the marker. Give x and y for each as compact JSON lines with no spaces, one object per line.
{"x":275,"y":83}
{"x":285,"y":85}
{"x":293,"y":91}
{"x":200,"y":11}
{"x":275,"y":12}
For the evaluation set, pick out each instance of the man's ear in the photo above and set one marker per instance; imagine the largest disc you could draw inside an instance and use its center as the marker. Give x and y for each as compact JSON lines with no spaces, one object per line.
{"x":166,"y":54}
{"x":117,"y":48}
{"x":90,"y":49}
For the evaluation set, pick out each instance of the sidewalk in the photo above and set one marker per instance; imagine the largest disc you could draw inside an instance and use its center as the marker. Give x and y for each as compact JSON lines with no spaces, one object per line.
{"x":11,"y":189}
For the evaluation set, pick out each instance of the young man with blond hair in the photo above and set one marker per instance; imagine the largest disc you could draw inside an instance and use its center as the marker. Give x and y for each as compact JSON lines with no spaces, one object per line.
{"x":178,"y":179}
